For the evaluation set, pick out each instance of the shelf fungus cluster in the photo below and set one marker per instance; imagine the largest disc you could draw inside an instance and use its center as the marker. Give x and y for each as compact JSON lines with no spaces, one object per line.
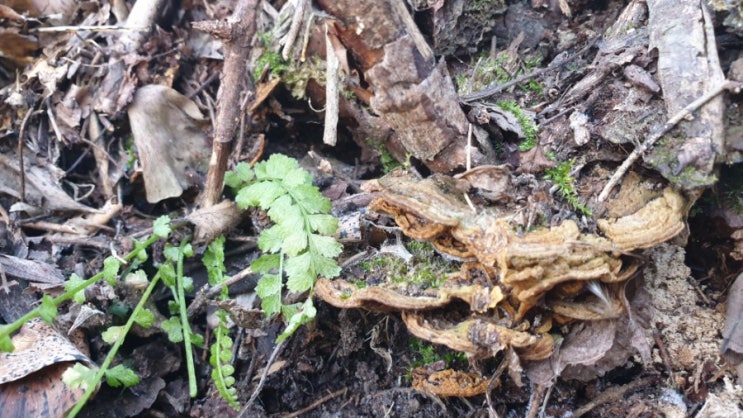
{"x":519,"y":286}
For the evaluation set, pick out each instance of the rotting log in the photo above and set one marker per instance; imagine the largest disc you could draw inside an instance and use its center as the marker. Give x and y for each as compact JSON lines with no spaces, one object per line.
{"x":412,"y":93}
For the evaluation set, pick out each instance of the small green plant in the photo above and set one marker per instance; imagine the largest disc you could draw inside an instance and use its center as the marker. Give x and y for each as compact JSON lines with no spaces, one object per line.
{"x":532,"y":86}
{"x":220,"y":356}
{"x":425,"y":354}
{"x":299,"y":245}
{"x":80,"y":376}
{"x":560,"y":175}
{"x":527,"y":125}
{"x":485,"y":72}
{"x":269,"y":58}
{"x":388,"y":162}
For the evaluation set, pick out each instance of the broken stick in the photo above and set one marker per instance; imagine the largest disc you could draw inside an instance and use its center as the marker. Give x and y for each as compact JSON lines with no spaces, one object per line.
{"x":236,"y":33}
{"x":652,"y":138}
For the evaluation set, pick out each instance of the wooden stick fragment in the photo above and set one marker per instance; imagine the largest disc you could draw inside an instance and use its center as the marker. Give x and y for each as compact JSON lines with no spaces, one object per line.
{"x":332,"y":101}
{"x":237,"y":33}
{"x":654,"y":137}
{"x":300,"y":7}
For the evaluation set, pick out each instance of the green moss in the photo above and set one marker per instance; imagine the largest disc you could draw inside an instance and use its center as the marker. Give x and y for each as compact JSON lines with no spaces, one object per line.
{"x":485,"y":71}
{"x":690,"y":177}
{"x":532,"y":86}
{"x":423,"y":353}
{"x":527,"y":125}
{"x":270,"y":58}
{"x":388,"y":162}
{"x":424,"y":269}
{"x":298,"y":74}
{"x":560,"y":175}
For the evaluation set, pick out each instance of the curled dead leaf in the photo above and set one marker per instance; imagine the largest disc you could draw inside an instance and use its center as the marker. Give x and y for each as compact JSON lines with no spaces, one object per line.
{"x":492,"y":181}
{"x":168,"y":130}
{"x":31,"y":376}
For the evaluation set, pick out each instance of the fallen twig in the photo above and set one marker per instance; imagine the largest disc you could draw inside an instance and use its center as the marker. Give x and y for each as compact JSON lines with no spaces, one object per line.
{"x":279,"y":347}
{"x":206,"y":294}
{"x":491,"y":90}
{"x":317,"y":403}
{"x":613,"y":394}
{"x":332,"y":81}
{"x":650,"y":141}
{"x":236,"y":33}
{"x":21,"y":144}
{"x":297,"y":18}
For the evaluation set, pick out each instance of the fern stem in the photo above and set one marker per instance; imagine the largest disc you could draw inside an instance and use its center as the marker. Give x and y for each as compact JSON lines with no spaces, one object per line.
{"x":34,"y":313}
{"x":192,"y":389}
{"x":92,"y":386}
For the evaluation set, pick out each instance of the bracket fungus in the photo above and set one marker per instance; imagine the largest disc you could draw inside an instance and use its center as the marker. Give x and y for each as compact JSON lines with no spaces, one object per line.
{"x":518,"y":285}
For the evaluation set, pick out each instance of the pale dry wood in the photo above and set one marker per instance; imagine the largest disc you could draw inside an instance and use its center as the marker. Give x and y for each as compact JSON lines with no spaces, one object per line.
{"x":332,"y":100}
{"x":298,"y":17}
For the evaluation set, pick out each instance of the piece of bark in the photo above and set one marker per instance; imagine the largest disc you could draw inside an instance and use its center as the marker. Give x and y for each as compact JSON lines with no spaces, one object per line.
{"x":732,"y":335}
{"x":414,"y":96}
{"x":31,"y":270}
{"x":688,"y":67}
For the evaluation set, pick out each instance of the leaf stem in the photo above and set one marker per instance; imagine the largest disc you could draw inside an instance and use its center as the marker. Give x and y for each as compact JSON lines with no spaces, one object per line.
{"x":92,"y":386}
{"x":192,"y":389}
{"x":35,"y":313}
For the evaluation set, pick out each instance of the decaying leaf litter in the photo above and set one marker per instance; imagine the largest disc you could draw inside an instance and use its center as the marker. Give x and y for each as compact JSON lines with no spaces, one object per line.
{"x":513,"y":125}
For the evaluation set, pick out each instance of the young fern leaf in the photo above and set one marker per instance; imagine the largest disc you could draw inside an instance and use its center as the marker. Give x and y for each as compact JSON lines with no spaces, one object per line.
{"x":221,"y":351}
{"x":221,"y":361}
{"x":299,"y":246}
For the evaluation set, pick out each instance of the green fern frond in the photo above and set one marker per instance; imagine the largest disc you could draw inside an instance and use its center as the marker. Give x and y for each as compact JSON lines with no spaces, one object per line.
{"x":221,"y":360}
{"x":299,"y":246}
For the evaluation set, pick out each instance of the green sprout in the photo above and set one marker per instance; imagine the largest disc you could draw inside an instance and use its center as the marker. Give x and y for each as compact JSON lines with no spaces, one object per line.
{"x":527,"y":125}
{"x":564,"y":181}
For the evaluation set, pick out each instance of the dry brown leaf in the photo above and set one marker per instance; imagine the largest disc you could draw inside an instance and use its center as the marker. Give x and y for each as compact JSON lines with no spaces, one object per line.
{"x":534,"y":161}
{"x":48,"y":75}
{"x":215,"y":220}
{"x":492,"y":181}
{"x":42,"y":190}
{"x":37,"y":345}
{"x":40,"y":394}
{"x":31,"y":377}
{"x":59,"y":10}
{"x":31,"y":270}
{"x":16,"y":47}
{"x":167,"y":128}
